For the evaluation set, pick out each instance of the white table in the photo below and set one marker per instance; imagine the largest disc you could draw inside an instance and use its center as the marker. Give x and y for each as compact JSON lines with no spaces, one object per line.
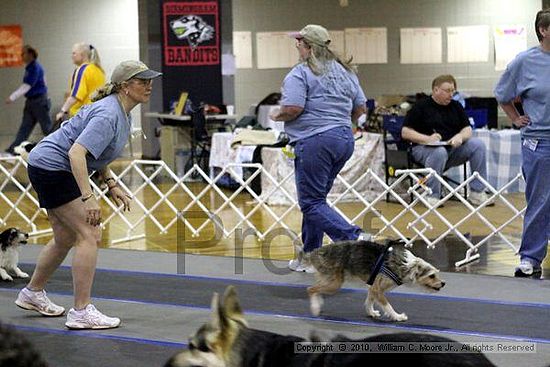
{"x":221,"y":153}
{"x":368,"y":153}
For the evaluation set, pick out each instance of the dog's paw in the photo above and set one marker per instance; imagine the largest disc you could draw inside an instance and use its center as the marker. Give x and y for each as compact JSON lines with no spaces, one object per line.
{"x":22,"y":275}
{"x":7,"y":278}
{"x":399,"y":317}
{"x":315,"y":304}
{"x":373,"y":313}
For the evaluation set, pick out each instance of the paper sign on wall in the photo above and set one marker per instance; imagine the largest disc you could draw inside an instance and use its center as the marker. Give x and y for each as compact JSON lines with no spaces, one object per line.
{"x":468,"y":44}
{"x":11,"y":45}
{"x":509,"y":41}
{"x":420,"y":46}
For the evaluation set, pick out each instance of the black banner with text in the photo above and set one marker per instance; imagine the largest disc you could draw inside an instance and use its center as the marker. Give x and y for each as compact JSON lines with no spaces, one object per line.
{"x":191,"y":52}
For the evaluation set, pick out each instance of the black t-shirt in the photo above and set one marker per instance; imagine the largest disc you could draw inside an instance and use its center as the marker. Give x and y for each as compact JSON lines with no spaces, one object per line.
{"x":427,"y":117}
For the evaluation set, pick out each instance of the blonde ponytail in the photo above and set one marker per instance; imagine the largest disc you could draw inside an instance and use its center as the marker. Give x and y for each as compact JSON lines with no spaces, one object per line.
{"x":94,"y":57}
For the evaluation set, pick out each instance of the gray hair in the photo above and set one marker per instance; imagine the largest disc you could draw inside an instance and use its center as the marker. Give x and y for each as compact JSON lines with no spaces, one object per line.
{"x":320,"y":56}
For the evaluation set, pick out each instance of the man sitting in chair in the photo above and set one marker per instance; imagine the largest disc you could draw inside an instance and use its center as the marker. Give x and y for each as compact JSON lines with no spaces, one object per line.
{"x":442,"y":138}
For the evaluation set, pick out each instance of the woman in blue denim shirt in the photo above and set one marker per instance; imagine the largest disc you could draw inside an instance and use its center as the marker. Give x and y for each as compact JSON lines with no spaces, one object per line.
{"x":321,"y":97}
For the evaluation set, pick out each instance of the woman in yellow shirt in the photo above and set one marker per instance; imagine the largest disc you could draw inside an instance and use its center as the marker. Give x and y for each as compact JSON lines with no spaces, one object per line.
{"x":86,"y":79}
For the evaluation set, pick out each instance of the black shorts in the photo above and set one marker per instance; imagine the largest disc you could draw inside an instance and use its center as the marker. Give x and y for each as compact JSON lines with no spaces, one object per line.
{"x":54,"y":188}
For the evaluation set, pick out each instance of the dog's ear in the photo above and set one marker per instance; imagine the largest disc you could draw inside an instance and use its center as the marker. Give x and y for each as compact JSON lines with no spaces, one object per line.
{"x":414,"y":265}
{"x":6,"y":237}
{"x":209,"y":336}
{"x":425,"y":269}
{"x":231,"y":306}
{"x":215,"y":311}
{"x":421,"y":269}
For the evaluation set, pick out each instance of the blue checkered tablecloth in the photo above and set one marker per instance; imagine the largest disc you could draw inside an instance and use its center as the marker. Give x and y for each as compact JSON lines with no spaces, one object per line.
{"x":503,"y":158}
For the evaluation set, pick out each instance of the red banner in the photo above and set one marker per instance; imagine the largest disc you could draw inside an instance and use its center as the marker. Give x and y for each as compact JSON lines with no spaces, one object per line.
{"x":11,"y":45}
{"x":191,"y":33}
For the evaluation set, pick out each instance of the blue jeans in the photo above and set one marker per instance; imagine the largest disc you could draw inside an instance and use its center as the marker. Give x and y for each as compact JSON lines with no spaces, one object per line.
{"x":536,"y":222}
{"x":37,"y":109}
{"x":319,"y":159}
{"x":441,"y":159}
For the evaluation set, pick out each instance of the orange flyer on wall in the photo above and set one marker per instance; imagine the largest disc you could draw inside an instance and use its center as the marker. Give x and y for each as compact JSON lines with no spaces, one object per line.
{"x":11,"y":44}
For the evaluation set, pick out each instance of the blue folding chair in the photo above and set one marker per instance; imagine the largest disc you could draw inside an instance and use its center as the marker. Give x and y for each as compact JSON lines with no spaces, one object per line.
{"x":479,"y":115}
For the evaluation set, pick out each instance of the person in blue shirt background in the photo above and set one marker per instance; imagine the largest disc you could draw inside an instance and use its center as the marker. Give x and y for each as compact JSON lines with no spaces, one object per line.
{"x":321,"y":97}
{"x":37,"y":105}
{"x":528,"y":77}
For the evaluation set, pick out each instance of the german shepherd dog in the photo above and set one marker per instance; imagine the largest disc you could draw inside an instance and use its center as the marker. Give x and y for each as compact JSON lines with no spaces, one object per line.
{"x":358,"y":259}
{"x":227,"y":341}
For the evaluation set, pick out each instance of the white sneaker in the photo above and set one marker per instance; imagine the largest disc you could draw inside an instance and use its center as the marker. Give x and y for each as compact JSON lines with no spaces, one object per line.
{"x":364,"y":236}
{"x":90,"y":318}
{"x":297,"y":265}
{"x":527,"y":269}
{"x":478,"y":198}
{"x":433,"y":201}
{"x":38,"y":301}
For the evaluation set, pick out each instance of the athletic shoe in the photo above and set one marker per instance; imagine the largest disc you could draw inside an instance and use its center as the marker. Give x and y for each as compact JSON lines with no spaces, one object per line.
{"x":90,"y":318}
{"x":527,"y":270}
{"x":297,"y":265}
{"x":478,"y":198}
{"x":364,"y":236}
{"x":38,"y":301}
{"x":433,"y":202}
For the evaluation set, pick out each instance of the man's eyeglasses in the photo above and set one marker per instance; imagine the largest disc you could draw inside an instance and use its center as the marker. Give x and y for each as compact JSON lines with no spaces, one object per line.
{"x":449,"y":90}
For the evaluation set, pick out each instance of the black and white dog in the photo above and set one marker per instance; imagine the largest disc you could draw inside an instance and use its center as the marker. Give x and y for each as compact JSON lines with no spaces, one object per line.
{"x":10,"y":240}
{"x":24,"y":149}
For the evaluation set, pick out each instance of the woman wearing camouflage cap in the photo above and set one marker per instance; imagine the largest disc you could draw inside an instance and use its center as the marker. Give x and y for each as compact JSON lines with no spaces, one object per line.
{"x":59,"y":167}
{"x":321,"y":97}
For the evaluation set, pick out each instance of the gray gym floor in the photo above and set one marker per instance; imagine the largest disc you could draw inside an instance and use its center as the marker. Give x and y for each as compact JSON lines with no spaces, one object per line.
{"x":163,"y":298}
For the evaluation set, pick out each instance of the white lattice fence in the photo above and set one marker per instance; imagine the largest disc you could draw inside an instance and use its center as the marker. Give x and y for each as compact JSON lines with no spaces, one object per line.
{"x":164,"y":199}
{"x":18,"y":202}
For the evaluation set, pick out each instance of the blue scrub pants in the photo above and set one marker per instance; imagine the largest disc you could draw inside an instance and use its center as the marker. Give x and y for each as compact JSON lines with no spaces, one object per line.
{"x":536,"y":222}
{"x":319,"y":159}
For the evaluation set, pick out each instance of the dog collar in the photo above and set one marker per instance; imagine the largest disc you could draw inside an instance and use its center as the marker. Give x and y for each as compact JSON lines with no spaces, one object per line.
{"x":391,"y":274}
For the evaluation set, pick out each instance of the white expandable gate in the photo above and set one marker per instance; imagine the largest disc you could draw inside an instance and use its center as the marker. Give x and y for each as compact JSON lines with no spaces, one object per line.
{"x":21,"y":203}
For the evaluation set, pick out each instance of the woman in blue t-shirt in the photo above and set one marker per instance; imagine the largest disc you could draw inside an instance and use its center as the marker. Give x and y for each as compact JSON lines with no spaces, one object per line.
{"x":528,"y":77}
{"x":59,"y":167}
{"x":321,"y":97}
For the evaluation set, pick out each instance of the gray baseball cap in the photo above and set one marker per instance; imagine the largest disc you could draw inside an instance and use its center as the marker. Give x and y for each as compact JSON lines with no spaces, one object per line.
{"x":132,"y":69}
{"x":313,"y":33}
